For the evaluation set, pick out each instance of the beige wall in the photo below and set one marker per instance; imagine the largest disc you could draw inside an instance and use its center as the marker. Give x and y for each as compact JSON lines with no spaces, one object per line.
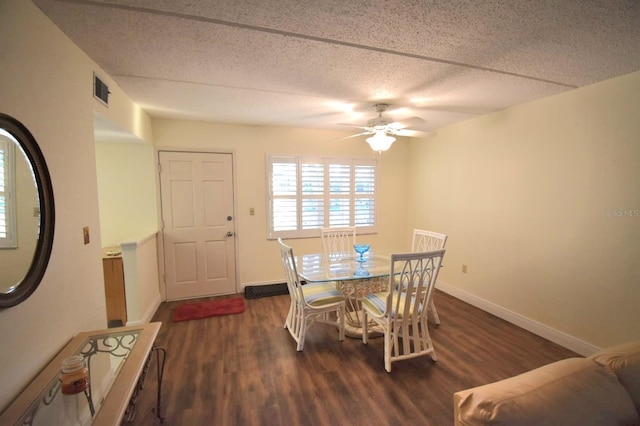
{"x":129,"y":218}
{"x":258,"y":260}
{"x":46,"y":82}
{"x":140,"y":262}
{"x":541,"y":202}
{"x":127,"y":191}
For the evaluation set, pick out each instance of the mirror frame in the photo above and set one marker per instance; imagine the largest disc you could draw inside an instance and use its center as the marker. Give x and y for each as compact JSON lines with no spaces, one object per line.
{"x":31,"y":280}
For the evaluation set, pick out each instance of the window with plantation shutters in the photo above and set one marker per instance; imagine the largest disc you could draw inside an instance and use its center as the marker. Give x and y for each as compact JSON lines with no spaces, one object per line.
{"x":308,"y":194}
{"x":7,"y":207}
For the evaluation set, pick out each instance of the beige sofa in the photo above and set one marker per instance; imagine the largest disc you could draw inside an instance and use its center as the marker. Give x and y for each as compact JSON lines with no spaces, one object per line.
{"x":603,"y":389}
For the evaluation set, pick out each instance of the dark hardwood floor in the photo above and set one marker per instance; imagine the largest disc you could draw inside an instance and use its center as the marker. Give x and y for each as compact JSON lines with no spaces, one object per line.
{"x":244,"y":370}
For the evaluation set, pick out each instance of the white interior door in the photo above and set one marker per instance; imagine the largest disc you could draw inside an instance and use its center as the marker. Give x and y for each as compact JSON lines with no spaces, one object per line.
{"x":198,"y":233}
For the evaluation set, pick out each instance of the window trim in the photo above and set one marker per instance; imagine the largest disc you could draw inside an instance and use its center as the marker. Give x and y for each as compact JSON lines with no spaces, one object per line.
{"x":326,"y":161}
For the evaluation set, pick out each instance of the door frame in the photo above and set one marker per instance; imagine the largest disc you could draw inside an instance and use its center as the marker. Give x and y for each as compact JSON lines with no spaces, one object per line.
{"x":160,"y":238}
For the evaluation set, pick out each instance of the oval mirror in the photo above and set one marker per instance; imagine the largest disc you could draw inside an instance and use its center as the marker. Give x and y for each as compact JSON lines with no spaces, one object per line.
{"x":26,"y":213}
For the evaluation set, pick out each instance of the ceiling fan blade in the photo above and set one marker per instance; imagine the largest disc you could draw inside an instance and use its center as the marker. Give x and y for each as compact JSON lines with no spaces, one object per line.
{"x":414,"y":133}
{"x":352,"y":136}
{"x":408,"y":122}
{"x":352,"y":125}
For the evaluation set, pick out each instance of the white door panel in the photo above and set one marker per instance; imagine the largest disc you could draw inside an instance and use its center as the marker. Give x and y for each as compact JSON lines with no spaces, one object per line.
{"x":197,"y":210}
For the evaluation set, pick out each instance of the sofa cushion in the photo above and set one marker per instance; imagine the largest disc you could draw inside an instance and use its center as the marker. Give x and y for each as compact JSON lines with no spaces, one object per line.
{"x":624,"y":361}
{"x":574,"y":391}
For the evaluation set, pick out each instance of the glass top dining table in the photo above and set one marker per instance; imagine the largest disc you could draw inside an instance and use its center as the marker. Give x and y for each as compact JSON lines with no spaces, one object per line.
{"x":345,"y":266}
{"x":352,"y":277}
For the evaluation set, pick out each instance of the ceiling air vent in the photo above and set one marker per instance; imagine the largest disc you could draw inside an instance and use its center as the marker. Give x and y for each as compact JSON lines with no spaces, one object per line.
{"x":100,"y":90}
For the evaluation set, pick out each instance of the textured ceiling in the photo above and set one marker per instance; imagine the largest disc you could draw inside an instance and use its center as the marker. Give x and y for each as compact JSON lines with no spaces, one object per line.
{"x":320,"y":64}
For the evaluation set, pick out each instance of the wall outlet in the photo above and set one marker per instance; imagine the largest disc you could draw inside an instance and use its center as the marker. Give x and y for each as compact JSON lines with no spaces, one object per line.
{"x":464,"y":269}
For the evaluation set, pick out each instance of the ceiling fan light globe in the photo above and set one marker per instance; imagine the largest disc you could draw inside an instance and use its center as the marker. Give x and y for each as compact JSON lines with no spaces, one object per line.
{"x":380,"y":141}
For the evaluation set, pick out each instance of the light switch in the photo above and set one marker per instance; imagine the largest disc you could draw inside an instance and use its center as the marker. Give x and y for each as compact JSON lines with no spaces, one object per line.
{"x":252,"y":211}
{"x":85,"y":233}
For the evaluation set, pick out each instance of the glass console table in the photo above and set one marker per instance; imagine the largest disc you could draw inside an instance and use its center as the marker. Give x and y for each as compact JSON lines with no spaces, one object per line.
{"x":118,"y":360}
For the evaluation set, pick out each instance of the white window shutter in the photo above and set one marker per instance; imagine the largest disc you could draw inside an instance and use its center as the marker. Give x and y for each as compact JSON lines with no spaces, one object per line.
{"x":307,"y":194}
{"x":313,"y":184}
{"x":284,"y":190}
{"x":364,"y":193}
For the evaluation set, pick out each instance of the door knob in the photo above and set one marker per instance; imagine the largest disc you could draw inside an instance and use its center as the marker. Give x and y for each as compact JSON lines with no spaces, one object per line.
{"x":229,"y":234}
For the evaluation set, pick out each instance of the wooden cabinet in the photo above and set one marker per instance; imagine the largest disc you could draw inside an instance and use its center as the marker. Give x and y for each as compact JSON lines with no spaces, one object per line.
{"x":114,"y":289}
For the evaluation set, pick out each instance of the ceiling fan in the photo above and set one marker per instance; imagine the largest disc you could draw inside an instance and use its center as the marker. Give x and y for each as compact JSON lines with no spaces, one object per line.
{"x":383,"y":129}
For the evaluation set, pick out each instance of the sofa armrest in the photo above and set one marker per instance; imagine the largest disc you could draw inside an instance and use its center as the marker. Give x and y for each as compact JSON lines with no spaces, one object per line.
{"x":574,"y":391}
{"x":624,"y":361}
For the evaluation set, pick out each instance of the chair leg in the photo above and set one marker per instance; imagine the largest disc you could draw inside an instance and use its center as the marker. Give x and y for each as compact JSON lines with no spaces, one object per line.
{"x":433,"y":313}
{"x":341,"y":322}
{"x":365,"y":327}
{"x":387,"y":350}
{"x":287,"y":321}
{"x":433,"y":350}
{"x":303,"y":329}
{"x":426,"y":337}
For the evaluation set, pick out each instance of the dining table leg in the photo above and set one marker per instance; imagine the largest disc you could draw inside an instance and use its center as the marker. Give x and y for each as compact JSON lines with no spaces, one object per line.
{"x":353,"y":291}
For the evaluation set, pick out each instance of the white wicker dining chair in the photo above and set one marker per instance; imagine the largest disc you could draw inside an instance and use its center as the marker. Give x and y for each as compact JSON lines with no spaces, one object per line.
{"x":401,"y":311}
{"x":310,"y":303}
{"x":338,"y":240}
{"x":429,"y":241}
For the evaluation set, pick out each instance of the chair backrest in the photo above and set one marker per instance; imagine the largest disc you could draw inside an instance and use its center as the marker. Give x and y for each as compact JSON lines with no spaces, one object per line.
{"x":338,"y":240}
{"x":290,"y":271}
{"x":412,"y":274}
{"x":427,"y":240}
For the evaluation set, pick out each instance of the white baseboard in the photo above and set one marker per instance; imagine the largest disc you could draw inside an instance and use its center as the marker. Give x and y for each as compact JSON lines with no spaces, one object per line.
{"x":542,"y":330}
